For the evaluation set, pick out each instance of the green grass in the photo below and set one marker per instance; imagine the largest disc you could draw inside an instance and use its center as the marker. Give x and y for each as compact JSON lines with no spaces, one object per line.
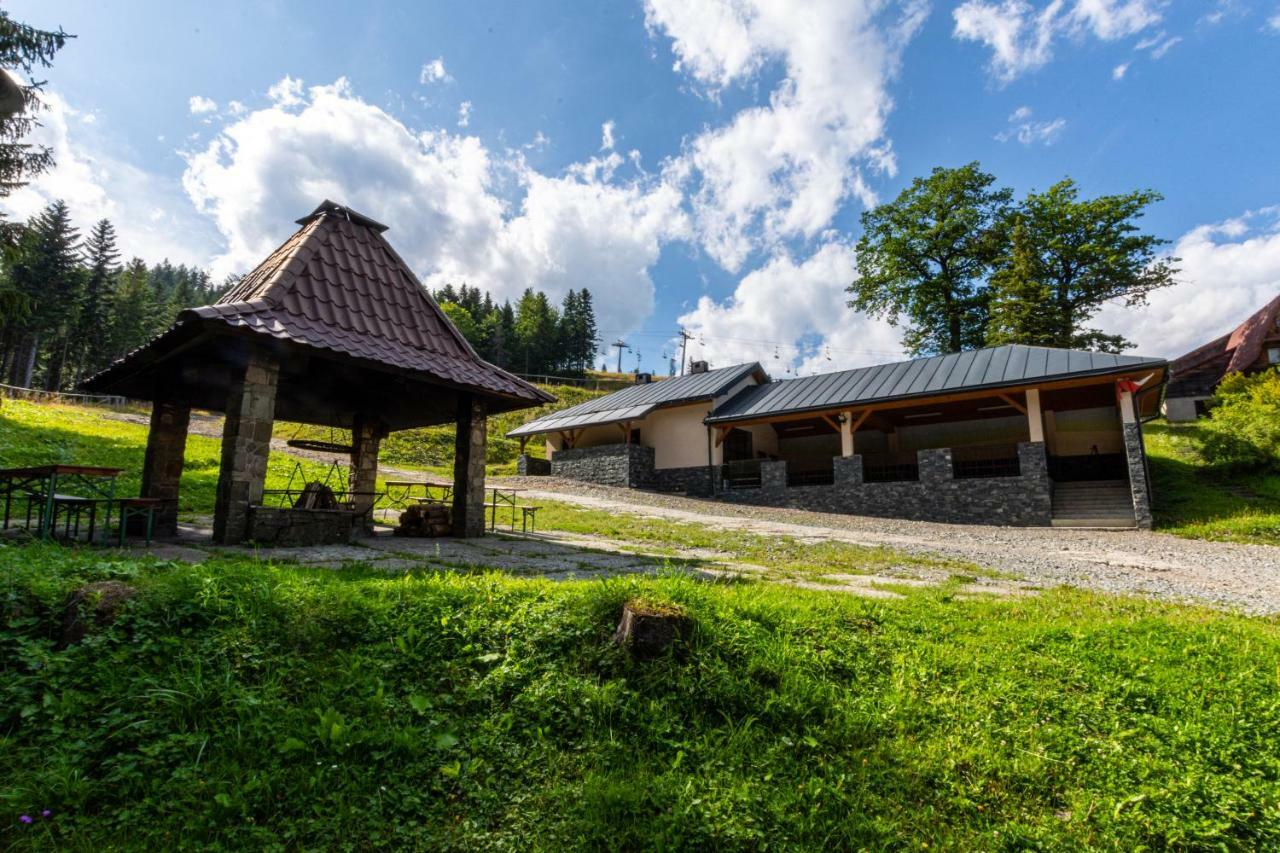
{"x":240,"y":705}
{"x":784,"y":555}
{"x":1195,"y":500}
{"x":43,"y":433}
{"x":430,"y":449}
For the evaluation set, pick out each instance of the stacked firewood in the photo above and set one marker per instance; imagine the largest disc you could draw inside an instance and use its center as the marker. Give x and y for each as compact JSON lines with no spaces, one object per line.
{"x":424,"y":520}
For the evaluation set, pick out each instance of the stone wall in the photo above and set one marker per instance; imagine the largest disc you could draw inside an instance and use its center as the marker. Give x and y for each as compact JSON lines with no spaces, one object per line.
{"x":531,"y":466}
{"x":699,"y":481}
{"x":627,"y":465}
{"x":269,"y":525}
{"x":1136,"y":457}
{"x":937,"y":496}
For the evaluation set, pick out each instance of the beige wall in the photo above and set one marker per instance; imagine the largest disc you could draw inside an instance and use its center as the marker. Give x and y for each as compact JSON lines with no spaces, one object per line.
{"x":677,"y":435}
{"x":1075,"y":432}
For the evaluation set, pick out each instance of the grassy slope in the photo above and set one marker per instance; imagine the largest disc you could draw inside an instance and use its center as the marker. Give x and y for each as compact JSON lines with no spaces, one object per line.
{"x":42,"y":433}
{"x":1194,"y":500}
{"x":256,"y":706}
{"x":431,"y":449}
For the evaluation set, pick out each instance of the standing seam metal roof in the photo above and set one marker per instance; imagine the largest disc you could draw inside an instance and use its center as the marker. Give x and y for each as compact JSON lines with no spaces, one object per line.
{"x":638,"y":400}
{"x":1013,"y":364}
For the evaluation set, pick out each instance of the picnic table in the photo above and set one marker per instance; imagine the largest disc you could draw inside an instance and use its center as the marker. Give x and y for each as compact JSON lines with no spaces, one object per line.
{"x":57,"y":490}
{"x":507,"y":497}
{"x":400,"y":492}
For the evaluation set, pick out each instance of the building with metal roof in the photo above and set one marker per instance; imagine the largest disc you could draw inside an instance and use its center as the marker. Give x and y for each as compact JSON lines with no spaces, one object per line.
{"x":1010,"y":434}
{"x":1252,"y":346}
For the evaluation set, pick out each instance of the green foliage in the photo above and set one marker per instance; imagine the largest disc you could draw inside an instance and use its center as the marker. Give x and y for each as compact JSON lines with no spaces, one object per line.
{"x":243,"y":705}
{"x":24,"y":49}
{"x":924,"y":256}
{"x":1066,"y":258}
{"x":964,"y":266}
{"x":1202,"y":501}
{"x":1243,"y":430}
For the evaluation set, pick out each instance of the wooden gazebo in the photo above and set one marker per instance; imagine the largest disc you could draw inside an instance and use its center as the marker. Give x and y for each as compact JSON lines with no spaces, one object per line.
{"x":332,"y":329}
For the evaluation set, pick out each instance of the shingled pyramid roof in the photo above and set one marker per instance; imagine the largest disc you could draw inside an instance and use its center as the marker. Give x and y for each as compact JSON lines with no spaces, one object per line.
{"x":337,"y":285}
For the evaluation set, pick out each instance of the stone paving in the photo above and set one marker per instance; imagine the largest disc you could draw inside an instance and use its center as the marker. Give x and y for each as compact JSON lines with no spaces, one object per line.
{"x":567,"y":556}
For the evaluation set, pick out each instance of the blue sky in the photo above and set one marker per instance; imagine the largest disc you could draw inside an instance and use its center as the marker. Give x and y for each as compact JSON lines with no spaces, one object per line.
{"x":695,"y":164}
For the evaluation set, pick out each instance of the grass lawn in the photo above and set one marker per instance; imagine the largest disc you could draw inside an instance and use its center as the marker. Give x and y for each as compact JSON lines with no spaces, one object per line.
{"x":251,"y":706}
{"x":1195,"y":500}
{"x":44,"y":433}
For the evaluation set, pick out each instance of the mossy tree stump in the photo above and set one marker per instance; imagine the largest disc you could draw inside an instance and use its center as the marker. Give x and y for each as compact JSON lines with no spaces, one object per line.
{"x":648,"y":629}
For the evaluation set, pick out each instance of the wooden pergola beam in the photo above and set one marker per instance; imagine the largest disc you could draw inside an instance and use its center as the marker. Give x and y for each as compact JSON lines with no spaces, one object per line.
{"x":1012,"y":402}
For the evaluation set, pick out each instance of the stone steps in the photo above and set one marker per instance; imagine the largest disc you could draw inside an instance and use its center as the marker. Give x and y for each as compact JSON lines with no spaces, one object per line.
{"x":1105,"y":503}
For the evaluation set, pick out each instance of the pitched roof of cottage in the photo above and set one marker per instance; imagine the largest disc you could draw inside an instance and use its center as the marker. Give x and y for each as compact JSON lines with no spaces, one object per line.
{"x":635,"y":402}
{"x":991,"y":368}
{"x":1198,"y":371}
{"x":336,"y":285}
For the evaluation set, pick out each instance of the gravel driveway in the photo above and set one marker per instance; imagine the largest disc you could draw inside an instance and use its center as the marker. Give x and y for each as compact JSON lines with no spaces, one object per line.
{"x":1224,"y":575}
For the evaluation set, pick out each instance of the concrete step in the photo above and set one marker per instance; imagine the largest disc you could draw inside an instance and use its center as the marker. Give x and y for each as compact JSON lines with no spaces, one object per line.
{"x":1109,"y":522}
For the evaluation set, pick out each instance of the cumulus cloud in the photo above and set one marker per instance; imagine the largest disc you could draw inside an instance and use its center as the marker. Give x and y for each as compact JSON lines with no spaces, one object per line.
{"x":606,"y":135}
{"x":1028,"y":131}
{"x":782,"y":170}
{"x":433,"y":72}
{"x":1229,"y":270}
{"x":199,"y":105}
{"x":458,"y":212}
{"x":1273,"y":23}
{"x":1021,"y":37}
{"x":153,"y":219}
{"x":464,"y":114}
{"x":796,"y":310}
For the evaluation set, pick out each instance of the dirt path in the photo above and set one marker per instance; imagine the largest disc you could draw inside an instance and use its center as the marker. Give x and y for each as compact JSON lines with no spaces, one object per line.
{"x":1237,"y":577}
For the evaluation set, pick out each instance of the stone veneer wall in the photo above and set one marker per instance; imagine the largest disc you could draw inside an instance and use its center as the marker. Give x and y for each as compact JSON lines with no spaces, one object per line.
{"x":269,"y":525}
{"x":1136,"y":456}
{"x":530,"y":466}
{"x":937,"y":496}
{"x":606,"y":464}
{"x":698,"y":481}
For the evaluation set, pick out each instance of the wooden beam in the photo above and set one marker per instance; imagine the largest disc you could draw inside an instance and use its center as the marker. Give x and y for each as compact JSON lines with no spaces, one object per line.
{"x":862,"y":418}
{"x":831,"y":422}
{"x":1012,"y":402}
{"x":721,"y":433}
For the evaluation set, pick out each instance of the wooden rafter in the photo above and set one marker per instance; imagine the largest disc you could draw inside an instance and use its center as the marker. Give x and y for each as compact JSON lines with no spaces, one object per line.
{"x":831,"y":422}
{"x":721,"y":434}
{"x":862,"y":418}
{"x":1013,"y":402}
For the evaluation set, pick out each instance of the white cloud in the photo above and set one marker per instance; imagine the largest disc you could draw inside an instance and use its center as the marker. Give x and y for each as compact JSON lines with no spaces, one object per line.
{"x":446,"y":198}
{"x":198,"y":105}
{"x":153,"y":219}
{"x":1026,"y":130}
{"x":464,"y":114}
{"x":287,"y":92}
{"x":1021,"y":37}
{"x":433,"y":72}
{"x":1119,"y":71}
{"x":1273,"y":23}
{"x":236,"y":108}
{"x":1159,"y":44}
{"x":1229,"y":270}
{"x":783,"y":170}
{"x":796,"y":310}
{"x":606,"y":135}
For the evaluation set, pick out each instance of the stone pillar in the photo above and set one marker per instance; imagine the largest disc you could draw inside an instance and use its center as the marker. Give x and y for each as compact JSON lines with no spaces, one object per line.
{"x":366,"y":436}
{"x":468,"y":468}
{"x":773,"y":475}
{"x":1136,"y":457}
{"x":847,"y":470}
{"x":1033,"y":463}
{"x":162,"y":464}
{"x":246,"y":443}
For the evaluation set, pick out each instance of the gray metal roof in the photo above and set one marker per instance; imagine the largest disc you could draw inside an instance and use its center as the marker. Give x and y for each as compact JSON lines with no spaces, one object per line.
{"x":637,"y":401}
{"x":994,"y":367}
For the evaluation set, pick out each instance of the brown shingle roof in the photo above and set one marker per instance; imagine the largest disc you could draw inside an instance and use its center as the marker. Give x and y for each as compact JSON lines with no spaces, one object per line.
{"x":337,"y":284}
{"x":1200,"y":370}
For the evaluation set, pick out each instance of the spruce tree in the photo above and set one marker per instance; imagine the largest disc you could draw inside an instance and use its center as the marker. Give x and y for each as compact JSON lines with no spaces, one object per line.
{"x":103,"y":261}
{"x":46,"y":272}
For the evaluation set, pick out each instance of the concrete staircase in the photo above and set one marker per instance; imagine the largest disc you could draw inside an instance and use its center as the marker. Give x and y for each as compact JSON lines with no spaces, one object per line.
{"x":1095,"y":503}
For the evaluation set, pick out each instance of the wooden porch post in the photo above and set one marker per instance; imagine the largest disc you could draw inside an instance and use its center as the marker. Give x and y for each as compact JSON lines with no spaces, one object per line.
{"x":1035,"y":421}
{"x":846,"y":435}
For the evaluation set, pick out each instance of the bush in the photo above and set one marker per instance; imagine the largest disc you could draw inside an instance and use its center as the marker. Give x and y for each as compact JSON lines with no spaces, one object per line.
{"x":1243,"y":430}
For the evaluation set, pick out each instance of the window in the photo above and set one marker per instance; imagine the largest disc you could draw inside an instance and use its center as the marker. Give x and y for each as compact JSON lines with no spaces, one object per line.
{"x":1273,"y":355}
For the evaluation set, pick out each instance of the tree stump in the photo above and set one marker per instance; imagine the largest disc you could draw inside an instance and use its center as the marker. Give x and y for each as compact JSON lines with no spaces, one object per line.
{"x":648,"y":629}
{"x":104,"y":600}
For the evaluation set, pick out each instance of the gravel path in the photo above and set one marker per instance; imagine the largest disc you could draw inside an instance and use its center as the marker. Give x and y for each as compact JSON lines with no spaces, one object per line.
{"x":1157,"y":565}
